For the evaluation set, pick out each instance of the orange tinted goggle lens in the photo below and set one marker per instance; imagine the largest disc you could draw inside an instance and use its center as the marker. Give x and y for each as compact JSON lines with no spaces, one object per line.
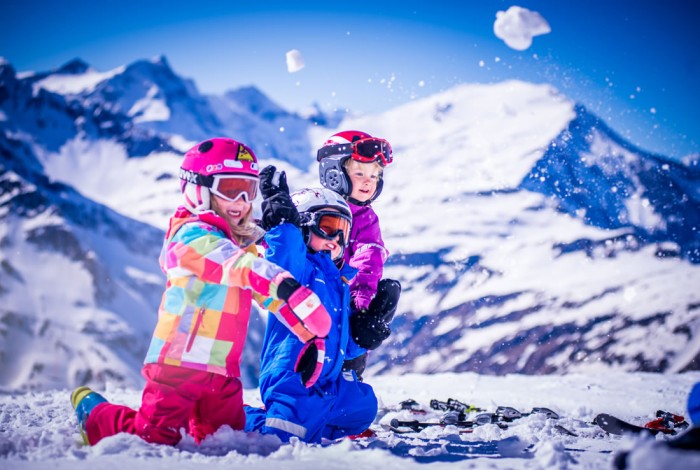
{"x":332,"y":225}
{"x":234,"y":187}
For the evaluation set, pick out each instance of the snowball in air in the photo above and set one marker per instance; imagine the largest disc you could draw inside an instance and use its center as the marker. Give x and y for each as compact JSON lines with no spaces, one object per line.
{"x":295,"y":61}
{"x":517,"y":26}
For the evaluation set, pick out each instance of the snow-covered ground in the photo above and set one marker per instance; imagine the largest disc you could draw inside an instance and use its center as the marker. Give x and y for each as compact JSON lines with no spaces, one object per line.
{"x":39,"y":430}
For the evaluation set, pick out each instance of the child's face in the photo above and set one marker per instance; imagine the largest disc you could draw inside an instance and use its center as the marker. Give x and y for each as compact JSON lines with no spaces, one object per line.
{"x":232,"y":211}
{"x":318,"y":243}
{"x":364,"y":178}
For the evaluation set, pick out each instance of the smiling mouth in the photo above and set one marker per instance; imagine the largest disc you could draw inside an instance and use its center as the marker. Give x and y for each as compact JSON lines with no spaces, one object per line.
{"x":234,"y":213}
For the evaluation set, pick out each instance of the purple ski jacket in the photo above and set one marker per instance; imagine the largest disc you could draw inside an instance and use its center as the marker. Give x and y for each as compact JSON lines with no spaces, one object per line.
{"x":366,"y":253}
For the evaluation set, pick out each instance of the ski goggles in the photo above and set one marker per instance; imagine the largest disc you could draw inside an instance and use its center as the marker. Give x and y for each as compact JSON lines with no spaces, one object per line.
{"x":363,"y":150}
{"x":234,"y":187}
{"x":328,"y":225}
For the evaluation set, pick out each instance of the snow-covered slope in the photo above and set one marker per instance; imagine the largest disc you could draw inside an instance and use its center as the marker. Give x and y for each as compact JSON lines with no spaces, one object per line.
{"x":39,"y":430}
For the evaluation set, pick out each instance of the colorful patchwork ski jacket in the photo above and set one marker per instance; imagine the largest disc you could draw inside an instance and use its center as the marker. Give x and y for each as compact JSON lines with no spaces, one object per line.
{"x":211,"y":282}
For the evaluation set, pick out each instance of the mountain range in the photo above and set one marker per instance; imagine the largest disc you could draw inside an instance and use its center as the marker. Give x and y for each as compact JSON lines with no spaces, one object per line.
{"x":529,"y":237}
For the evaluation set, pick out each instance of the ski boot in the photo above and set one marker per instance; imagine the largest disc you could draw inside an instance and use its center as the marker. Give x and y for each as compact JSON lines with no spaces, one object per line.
{"x":667,"y":423}
{"x":84,"y":400}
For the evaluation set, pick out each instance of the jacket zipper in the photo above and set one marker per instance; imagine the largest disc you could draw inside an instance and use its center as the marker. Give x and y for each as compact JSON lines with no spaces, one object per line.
{"x":198,"y":323}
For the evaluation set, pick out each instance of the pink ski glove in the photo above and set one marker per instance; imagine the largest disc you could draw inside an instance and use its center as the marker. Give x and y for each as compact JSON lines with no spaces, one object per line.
{"x":303,"y":313}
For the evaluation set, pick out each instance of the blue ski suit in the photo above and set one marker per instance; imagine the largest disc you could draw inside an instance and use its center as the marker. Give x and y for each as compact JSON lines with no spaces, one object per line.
{"x":694,"y":404}
{"x":338,"y":404}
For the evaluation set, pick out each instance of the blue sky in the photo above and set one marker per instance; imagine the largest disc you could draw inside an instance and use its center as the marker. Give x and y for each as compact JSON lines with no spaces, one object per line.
{"x":636,"y":63}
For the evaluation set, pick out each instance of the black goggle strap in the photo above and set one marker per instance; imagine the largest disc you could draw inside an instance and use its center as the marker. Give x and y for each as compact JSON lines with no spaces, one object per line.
{"x":331,"y":150}
{"x":196,"y":178}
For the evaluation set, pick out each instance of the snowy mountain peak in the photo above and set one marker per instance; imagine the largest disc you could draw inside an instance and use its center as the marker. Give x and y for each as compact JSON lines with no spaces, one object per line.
{"x":6,"y":70}
{"x":156,"y":69}
{"x":74,"y":67}
{"x":254,"y":101}
{"x":161,"y":60}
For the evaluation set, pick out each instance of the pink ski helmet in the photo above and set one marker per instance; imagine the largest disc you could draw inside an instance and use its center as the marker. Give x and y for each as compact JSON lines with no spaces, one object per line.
{"x":212,"y":157}
{"x":346,"y":137}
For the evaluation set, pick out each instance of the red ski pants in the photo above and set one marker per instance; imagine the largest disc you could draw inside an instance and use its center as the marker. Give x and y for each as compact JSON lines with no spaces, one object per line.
{"x":174,"y":398}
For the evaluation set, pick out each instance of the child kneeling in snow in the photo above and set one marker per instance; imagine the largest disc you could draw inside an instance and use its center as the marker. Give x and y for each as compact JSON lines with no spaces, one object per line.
{"x":213,"y":271}
{"x":307,"y":234}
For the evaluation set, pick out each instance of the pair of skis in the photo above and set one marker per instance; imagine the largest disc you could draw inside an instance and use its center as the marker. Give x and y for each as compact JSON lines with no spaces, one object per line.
{"x":665,"y":423}
{"x":455,"y":413}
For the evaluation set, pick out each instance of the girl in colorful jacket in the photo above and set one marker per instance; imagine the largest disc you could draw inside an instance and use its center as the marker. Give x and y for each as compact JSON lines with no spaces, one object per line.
{"x":352,"y":164}
{"x":192,"y":367}
{"x":307,"y":234}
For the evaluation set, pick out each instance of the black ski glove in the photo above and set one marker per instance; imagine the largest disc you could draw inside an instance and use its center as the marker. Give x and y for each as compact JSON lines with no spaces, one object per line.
{"x":368,"y":330}
{"x":370,"y":327}
{"x":384,"y":303}
{"x":277,"y":206}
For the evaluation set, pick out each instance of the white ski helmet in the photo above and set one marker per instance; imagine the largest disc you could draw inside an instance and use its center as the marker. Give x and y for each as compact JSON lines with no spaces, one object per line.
{"x":313,"y":204}
{"x":314,"y":199}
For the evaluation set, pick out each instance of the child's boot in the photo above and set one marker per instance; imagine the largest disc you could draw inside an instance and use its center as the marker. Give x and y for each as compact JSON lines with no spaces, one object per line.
{"x":84,"y":400}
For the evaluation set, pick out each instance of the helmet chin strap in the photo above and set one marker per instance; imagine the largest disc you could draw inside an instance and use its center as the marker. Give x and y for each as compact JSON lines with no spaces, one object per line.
{"x":352,"y":200}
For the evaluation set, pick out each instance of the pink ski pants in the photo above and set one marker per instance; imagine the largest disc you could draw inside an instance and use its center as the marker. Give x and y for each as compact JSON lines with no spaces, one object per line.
{"x":174,"y":398}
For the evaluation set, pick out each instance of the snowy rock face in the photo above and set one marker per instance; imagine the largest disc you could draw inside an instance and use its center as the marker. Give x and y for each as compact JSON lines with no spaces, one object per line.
{"x":79,"y":282}
{"x":593,"y":174}
{"x":528,"y":236}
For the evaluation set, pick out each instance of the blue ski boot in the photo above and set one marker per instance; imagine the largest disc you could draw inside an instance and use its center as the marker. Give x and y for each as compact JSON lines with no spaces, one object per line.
{"x":84,"y":400}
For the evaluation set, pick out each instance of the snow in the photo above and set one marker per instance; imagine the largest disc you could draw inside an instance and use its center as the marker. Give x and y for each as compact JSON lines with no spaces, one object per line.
{"x":71,"y":84}
{"x":517,"y":26}
{"x":150,"y":108}
{"x":139,"y":188}
{"x":39,"y":429}
{"x":295,"y":61}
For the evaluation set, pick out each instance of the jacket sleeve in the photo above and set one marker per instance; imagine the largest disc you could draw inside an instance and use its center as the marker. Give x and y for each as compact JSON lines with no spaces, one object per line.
{"x":369,"y":255}
{"x":285,"y":248}
{"x":199,"y":250}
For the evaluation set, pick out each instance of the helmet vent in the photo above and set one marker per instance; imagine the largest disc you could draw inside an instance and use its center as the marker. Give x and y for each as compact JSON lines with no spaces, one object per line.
{"x":205,"y":146}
